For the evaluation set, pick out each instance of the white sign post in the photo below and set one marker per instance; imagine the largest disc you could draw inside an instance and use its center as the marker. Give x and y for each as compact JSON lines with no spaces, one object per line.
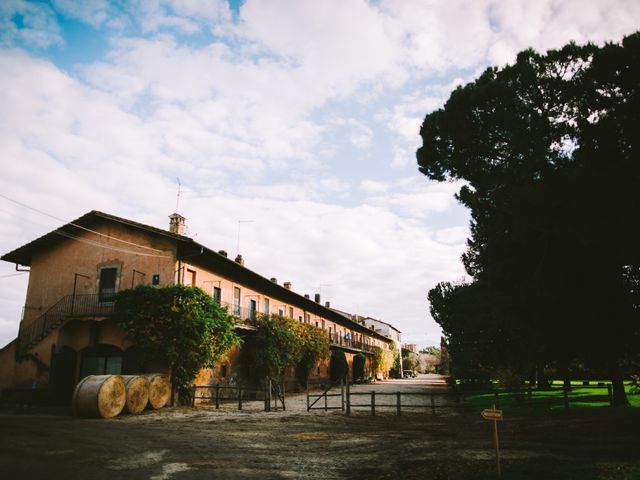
{"x":494,"y":415}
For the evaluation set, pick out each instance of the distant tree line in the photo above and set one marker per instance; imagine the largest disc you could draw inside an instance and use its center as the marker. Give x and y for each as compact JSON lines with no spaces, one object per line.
{"x":547,"y":153}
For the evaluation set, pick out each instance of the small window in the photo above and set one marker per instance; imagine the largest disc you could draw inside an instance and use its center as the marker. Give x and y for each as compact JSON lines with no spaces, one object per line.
{"x":266,"y":306}
{"x":281,"y":312}
{"x":217,"y":295}
{"x":223,"y":371}
{"x":191,"y":277}
{"x":300,"y":318}
{"x":107,"y":287}
{"x":236,"y":301}
{"x":290,"y":312}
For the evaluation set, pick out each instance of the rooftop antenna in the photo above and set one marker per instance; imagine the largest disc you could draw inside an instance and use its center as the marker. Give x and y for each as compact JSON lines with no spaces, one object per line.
{"x":322,"y":285}
{"x":240,"y":222}
{"x":178,"y":196}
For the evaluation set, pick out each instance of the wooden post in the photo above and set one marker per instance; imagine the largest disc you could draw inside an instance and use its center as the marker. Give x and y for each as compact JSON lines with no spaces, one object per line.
{"x":325,"y":400}
{"x":348,"y":399}
{"x":565,"y":394}
{"x":193,"y":395}
{"x":239,"y":398}
{"x":276,"y":403}
{"x":398,"y":403}
{"x":342,"y":394}
{"x":269,"y":392}
{"x":433,"y":406}
{"x":497,"y":395}
{"x":497,"y":444}
{"x":283,"y":396}
{"x":308,"y":396}
{"x":373,"y":403}
{"x":610,"y":395}
{"x":217,"y":396}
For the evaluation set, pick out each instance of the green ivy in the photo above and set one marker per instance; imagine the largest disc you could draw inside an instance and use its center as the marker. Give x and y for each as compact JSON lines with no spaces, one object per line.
{"x":177,"y":324}
{"x":281,"y":342}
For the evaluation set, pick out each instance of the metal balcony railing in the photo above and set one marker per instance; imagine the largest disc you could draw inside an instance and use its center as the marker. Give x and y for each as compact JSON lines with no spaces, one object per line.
{"x":70,"y":306}
{"x":243,"y":315}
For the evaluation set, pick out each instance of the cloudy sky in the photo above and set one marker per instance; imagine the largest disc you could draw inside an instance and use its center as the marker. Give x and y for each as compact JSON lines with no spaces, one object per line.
{"x":299,"y":116}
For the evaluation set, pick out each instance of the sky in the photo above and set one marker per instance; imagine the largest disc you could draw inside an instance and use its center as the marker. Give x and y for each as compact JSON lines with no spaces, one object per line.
{"x":290,"y":126}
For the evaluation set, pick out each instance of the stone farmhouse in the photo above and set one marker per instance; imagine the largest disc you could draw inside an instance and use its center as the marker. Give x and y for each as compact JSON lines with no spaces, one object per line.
{"x":66,"y":331}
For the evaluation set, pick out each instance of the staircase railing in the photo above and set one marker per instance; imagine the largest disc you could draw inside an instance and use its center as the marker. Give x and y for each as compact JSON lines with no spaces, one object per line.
{"x":70,"y":306}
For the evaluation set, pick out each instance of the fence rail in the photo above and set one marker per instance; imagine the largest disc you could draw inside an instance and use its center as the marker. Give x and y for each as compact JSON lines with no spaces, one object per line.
{"x":273,"y":392}
{"x":400,"y":400}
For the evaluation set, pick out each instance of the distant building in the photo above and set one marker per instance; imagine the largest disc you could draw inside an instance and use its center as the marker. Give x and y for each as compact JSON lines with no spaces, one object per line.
{"x":380,"y":327}
{"x":412,"y":347}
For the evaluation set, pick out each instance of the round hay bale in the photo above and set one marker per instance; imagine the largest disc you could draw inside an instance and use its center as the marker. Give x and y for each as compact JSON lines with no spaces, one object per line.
{"x":101,"y":396}
{"x":159,"y":390}
{"x":137,"y":387}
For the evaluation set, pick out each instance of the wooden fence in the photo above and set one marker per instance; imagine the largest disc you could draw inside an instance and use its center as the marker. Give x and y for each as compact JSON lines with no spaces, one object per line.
{"x":273,"y":395}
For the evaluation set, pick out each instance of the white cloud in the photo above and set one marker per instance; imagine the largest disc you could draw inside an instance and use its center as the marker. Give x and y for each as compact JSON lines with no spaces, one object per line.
{"x":31,"y":24}
{"x":247,"y":120}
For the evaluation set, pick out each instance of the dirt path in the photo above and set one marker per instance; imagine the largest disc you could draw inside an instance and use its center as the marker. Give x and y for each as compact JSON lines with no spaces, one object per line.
{"x":185,"y":443}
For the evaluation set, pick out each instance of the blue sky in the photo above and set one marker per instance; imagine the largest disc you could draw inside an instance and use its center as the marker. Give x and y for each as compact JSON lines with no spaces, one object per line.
{"x":301,"y":116}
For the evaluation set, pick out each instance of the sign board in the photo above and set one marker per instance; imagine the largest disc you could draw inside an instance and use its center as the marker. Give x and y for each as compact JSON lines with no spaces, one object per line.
{"x":492,"y":414}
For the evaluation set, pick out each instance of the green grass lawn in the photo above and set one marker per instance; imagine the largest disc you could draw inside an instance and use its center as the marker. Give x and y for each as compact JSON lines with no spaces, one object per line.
{"x":580,"y":397}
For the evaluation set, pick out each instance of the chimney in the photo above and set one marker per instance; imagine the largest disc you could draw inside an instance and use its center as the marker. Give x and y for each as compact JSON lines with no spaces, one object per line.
{"x":287,"y":285}
{"x":176,"y":223}
{"x":223,"y":253}
{"x":274,"y":279}
{"x":240,"y":260}
{"x":316,"y":297}
{"x":306,"y":295}
{"x":327,"y":304}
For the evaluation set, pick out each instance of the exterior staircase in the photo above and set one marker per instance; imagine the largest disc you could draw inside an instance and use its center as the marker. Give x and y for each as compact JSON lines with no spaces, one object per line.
{"x":67,"y":308}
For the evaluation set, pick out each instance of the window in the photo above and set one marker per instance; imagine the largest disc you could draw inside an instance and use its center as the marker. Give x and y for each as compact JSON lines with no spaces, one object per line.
{"x":323,"y":324}
{"x":253,"y":307}
{"x":300,"y":318}
{"x":290,"y":312}
{"x":107,"y":286}
{"x":191,"y":278}
{"x":307,"y":319}
{"x":236,"y":301}
{"x":223,"y":371}
{"x":217,"y":295}
{"x":281,"y":312}
{"x":266,"y":306}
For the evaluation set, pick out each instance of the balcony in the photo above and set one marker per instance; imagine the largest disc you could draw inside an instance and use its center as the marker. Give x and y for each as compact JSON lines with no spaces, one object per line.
{"x":340,"y":341}
{"x":244,"y":316}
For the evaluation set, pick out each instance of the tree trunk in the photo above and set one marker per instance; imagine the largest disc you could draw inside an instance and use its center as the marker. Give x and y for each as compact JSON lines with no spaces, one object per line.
{"x":542,"y":380}
{"x":564,"y":372}
{"x":617,"y":383}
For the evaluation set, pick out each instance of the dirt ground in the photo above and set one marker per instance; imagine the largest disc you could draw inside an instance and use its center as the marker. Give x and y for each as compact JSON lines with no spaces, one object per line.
{"x":185,"y":443}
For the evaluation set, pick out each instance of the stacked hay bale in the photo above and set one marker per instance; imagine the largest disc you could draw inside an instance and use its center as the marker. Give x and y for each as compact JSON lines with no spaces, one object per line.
{"x":106,"y":396}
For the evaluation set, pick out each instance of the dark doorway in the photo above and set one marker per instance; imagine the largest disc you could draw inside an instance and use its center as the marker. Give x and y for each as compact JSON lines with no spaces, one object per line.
{"x":131,"y":361}
{"x":358,"y":367}
{"x":62,"y":378}
{"x":338,"y":366}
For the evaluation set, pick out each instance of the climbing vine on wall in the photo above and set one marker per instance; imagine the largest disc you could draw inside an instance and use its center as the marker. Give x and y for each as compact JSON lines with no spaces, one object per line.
{"x":177,"y":324}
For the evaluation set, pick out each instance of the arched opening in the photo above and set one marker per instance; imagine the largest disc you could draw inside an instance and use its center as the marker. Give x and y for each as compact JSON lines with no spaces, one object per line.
{"x":358,"y":367}
{"x":100,"y":360}
{"x":338,"y":366}
{"x":62,"y":376}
